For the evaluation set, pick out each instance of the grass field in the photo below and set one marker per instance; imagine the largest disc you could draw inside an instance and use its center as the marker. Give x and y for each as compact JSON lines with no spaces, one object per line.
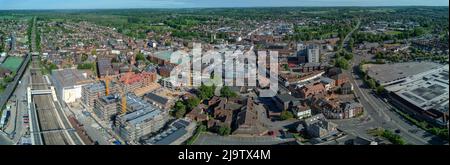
{"x":12,"y":63}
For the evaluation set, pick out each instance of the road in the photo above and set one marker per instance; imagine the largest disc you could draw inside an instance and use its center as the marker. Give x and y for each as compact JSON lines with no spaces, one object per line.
{"x":379,"y":114}
{"x":16,"y":127}
{"x":6,"y":95}
{"x":4,"y":140}
{"x":348,"y":36}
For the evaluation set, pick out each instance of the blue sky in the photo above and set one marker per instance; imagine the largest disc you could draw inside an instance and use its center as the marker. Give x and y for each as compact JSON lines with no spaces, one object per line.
{"x":107,"y":4}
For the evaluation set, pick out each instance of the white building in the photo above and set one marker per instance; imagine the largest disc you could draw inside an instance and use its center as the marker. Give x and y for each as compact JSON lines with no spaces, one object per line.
{"x":313,"y":54}
{"x":69,"y":83}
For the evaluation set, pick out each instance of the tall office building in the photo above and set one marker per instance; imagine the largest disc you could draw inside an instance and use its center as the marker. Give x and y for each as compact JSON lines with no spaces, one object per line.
{"x":313,"y":54}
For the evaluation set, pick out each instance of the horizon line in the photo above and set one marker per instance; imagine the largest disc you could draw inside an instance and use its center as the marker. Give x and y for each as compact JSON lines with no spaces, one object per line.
{"x":137,"y":8}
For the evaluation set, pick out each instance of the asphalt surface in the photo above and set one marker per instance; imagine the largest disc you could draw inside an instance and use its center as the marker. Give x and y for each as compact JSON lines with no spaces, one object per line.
{"x":378,"y":114}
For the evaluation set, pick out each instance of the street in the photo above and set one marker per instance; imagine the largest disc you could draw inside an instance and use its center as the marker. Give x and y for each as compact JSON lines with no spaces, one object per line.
{"x":378,"y":114}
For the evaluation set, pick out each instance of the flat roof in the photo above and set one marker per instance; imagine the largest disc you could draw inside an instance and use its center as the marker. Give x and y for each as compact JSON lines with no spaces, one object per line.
{"x":427,"y":91}
{"x":386,"y":73}
{"x":69,"y":77}
{"x":165,"y":55}
{"x":143,"y":111}
{"x":175,"y":131}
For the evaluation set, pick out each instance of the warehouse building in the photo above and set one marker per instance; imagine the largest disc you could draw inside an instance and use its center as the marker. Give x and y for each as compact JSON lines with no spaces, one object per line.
{"x":424,"y":96}
{"x":69,"y":83}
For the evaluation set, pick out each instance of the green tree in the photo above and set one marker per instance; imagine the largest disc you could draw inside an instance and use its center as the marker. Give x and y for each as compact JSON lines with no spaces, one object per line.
{"x":86,"y":66}
{"x":180,"y":113}
{"x":285,"y":115}
{"x":227,"y":92}
{"x":206,"y":92}
{"x":94,"y":52}
{"x":224,"y":130}
{"x":393,"y":138}
{"x":84,"y":57}
{"x":348,"y":56}
{"x":372,"y":84}
{"x":2,"y":87}
{"x":180,"y":109}
{"x":8,"y":79}
{"x":52,"y":66}
{"x":192,"y":102}
{"x":380,"y":89}
{"x":342,"y":63}
{"x":286,"y":67}
{"x":140,"y":56}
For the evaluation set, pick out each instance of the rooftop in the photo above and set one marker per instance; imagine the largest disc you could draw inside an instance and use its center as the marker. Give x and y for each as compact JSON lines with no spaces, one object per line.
{"x":286,"y":98}
{"x":386,"y":73}
{"x":157,"y":98}
{"x":426,"y":91}
{"x":175,"y":131}
{"x":141,"y":110}
{"x":69,"y":77}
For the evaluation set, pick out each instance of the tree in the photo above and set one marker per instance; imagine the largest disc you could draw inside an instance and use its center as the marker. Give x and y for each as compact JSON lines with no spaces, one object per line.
{"x":286,"y":67}
{"x":342,"y":63}
{"x":140,"y":56}
{"x":285,"y":115}
{"x":2,"y":87}
{"x":192,"y":102}
{"x":180,"y":113}
{"x":52,"y":67}
{"x":94,"y":52}
{"x":180,"y":109}
{"x":393,"y":138}
{"x":227,"y":92}
{"x":7,"y":79}
{"x":85,"y":66}
{"x":348,"y":56}
{"x":380,"y":89}
{"x":206,"y":92}
{"x":84,"y":57}
{"x":372,"y":84}
{"x":224,"y":130}
{"x":351,"y":42}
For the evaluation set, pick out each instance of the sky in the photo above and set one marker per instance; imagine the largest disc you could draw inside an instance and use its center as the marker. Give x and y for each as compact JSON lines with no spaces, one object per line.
{"x":116,"y":4}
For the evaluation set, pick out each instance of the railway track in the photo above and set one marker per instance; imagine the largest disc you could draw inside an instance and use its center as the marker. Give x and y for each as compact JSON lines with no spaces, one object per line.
{"x":46,"y":111}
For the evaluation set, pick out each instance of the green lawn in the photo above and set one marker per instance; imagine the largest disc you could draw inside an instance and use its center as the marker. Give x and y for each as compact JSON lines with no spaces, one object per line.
{"x":12,"y":63}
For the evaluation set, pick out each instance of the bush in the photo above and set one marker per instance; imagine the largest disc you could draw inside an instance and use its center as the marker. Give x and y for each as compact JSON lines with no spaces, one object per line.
{"x":285,"y":115}
{"x":224,"y":130}
{"x":393,"y":138}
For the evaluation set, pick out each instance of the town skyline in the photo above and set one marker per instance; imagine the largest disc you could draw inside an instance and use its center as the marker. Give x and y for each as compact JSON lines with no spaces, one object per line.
{"x":176,"y":4}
